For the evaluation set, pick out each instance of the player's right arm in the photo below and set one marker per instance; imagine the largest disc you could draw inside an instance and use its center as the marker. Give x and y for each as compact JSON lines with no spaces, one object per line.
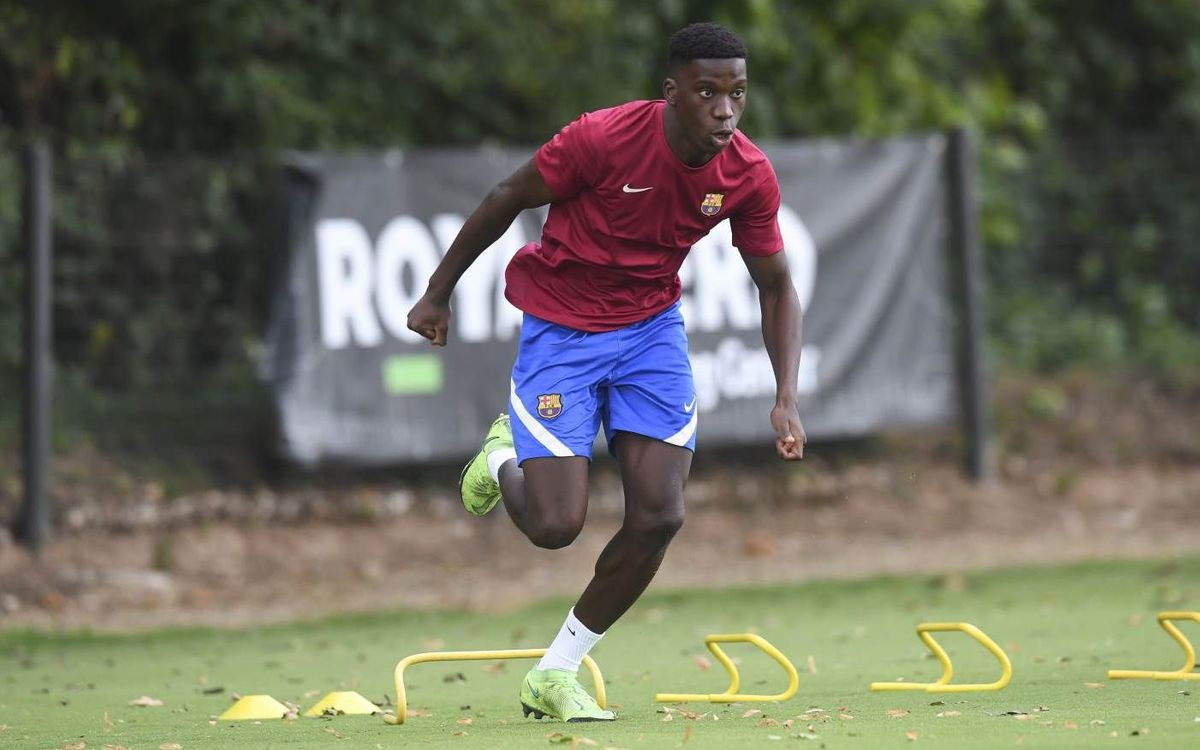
{"x":524,"y":188}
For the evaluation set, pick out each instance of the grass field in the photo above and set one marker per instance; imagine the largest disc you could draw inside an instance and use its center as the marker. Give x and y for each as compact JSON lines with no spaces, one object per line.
{"x":1062,"y":628}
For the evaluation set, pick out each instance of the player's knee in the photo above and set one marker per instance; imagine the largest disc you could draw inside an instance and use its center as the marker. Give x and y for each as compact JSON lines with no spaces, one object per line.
{"x":553,"y":534}
{"x":662,"y":523}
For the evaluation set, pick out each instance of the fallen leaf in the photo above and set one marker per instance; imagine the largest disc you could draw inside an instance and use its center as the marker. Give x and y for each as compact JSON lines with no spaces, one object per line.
{"x":1021,"y":717}
{"x":751,"y":712}
{"x":703,"y":663}
{"x":145,"y":701}
{"x":1094,"y":685}
{"x":170,"y":746}
{"x":691,"y":715}
{"x":948,"y":714}
{"x":805,"y":736}
{"x":114,"y":747}
{"x":466,"y":721}
{"x":767,"y":722}
{"x":74,"y":746}
{"x":911,"y":735}
{"x":415,"y":713}
{"x":668,"y":717}
{"x":897,"y":713}
{"x":788,"y":724}
{"x":687,"y":734}
{"x":495,"y":667}
{"x":1070,"y":725}
{"x":845,"y":717}
{"x":334,"y":732}
{"x":458,"y":733}
{"x":586,"y":741}
{"x":1097,"y":722}
{"x":812,"y":664}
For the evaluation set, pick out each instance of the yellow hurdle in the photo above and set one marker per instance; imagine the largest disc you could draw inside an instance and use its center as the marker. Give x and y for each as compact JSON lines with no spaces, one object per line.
{"x":1186,"y":672}
{"x":519,"y":653}
{"x":731,"y":693}
{"x":943,"y":684}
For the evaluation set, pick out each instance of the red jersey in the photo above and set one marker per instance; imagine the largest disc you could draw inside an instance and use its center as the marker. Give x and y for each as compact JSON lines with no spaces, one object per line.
{"x":627,"y":211}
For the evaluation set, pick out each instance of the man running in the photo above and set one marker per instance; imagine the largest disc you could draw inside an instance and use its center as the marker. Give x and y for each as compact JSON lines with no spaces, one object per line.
{"x":630,"y":189}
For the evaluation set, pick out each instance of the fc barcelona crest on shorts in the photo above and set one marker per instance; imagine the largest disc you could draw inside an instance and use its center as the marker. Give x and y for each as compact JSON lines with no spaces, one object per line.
{"x":711,"y":205}
{"x":549,"y":405}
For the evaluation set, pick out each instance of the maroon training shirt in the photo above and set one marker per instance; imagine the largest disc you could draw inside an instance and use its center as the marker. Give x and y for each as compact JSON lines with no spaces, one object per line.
{"x":627,"y":213}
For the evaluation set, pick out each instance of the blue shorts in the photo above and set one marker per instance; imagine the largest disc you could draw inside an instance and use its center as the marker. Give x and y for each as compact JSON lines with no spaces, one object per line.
{"x":567,"y":383}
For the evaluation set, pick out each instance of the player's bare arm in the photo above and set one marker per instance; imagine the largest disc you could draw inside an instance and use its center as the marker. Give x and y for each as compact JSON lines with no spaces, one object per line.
{"x":782,"y":327}
{"x":523,"y":189}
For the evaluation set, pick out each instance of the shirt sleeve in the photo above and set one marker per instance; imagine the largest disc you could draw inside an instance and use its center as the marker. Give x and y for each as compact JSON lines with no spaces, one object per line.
{"x":756,"y":225}
{"x":569,"y":161}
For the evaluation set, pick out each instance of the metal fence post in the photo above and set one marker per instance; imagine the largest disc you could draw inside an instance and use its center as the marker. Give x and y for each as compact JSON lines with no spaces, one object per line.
{"x":968,"y":254}
{"x":34,"y":526}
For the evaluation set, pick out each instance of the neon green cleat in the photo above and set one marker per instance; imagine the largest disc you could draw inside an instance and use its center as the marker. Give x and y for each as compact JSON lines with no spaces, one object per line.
{"x":478,"y":490}
{"x":557,"y":694}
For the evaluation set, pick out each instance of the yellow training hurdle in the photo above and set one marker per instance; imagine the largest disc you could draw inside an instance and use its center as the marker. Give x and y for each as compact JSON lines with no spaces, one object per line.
{"x":1186,"y":672}
{"x":521,"y":653}
{"x":943,"y":685}
{"x":731,"y":693}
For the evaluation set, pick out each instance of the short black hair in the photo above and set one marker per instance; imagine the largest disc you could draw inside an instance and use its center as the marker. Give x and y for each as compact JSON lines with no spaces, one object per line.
{"x":703,"y":41}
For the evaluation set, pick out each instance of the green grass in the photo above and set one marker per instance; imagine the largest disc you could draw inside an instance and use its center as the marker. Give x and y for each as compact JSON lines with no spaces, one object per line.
{"x":1062,"y":627}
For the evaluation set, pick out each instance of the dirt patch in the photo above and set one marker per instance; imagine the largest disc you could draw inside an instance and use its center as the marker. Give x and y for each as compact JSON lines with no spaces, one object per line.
{"x":1086,"y":470}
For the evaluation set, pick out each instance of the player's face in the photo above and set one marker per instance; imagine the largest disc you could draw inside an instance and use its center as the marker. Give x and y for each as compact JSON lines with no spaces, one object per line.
{"x":709,"y":97}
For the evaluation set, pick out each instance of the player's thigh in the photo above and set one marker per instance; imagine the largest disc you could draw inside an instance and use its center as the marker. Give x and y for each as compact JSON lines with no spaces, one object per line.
{"x":653,"y":474}
{"x":556,"y":491}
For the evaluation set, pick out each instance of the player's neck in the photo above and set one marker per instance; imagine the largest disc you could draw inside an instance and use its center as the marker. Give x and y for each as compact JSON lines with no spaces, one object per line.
{"x":687,"y":153}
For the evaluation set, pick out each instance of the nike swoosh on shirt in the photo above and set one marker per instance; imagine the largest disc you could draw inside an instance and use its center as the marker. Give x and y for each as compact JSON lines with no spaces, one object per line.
{"x":688,"y":407}
{"x":628,"y":189}
{"x":572,"y":632}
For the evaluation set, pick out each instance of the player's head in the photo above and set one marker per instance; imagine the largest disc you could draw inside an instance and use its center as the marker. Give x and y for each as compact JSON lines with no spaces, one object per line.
{"x":706,"y":84}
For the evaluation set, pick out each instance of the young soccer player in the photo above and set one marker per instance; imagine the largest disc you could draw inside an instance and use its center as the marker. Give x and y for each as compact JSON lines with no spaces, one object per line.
{"x":630,"y":189}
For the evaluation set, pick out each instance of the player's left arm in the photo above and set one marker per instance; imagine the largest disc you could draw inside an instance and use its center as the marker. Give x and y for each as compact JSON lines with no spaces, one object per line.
{"x":782,"y":328}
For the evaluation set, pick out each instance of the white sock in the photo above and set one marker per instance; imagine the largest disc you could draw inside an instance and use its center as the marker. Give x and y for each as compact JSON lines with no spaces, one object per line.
{"x":572,"y":643}
{"x":496,"y":459}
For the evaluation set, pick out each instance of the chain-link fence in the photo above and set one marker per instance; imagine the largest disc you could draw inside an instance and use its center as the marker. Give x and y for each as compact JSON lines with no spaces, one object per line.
{"x":1094,"y":254}
{"x":162,"y":274}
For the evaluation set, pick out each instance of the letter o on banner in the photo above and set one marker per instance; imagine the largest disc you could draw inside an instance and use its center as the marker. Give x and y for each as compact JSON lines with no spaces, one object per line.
{"x":404,"y":245}
{"x":801,"y":252}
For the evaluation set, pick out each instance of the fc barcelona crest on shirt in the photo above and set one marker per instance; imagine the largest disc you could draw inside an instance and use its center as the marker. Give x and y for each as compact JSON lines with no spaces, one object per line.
{"x":549,"y":405}
{"x":711,"y":205}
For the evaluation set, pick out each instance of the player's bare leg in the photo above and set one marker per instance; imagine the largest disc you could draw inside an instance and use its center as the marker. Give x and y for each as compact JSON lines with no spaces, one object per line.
{"x":546,"y":498}
{"x":653,"y":474}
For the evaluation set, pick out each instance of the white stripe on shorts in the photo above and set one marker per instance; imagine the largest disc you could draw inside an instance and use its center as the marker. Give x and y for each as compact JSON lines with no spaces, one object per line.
{"x":536,"y":428}
{"x":682,"y":437}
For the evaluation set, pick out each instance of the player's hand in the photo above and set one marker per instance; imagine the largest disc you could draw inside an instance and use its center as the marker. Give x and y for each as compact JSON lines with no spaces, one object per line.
{"x":790,"y":437}
{"x":431,"y":319}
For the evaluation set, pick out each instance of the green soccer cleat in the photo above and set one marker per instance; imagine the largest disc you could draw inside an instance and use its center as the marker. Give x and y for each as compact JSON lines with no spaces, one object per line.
{"x":478,"y":490}
{"x":557,"y":694}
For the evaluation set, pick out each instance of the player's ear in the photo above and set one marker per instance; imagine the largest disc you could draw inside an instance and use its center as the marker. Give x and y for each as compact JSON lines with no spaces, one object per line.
{"x":668,"y":89}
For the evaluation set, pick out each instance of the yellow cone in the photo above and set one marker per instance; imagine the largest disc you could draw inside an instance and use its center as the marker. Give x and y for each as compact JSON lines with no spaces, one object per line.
{"x":255,"y":707}
{"x":344,"y":702}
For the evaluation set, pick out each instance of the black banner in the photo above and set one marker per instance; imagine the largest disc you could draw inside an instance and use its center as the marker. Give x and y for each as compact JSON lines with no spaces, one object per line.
{"x":863,"y":224}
